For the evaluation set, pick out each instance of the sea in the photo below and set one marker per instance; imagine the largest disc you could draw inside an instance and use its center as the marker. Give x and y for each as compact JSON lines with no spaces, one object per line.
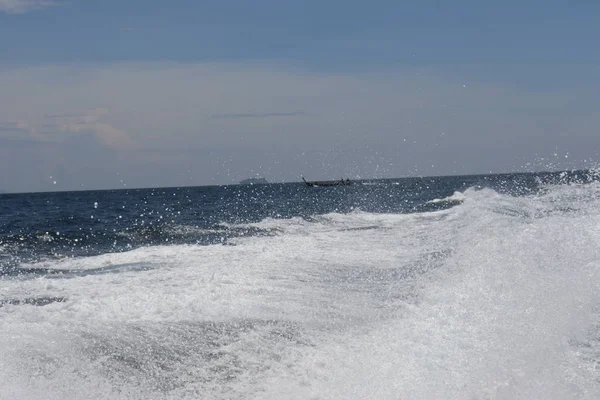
{"x":463,"y":287}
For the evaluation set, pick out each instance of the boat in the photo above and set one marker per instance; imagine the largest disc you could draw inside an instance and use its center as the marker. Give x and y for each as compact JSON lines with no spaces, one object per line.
{"x":342,"y":182}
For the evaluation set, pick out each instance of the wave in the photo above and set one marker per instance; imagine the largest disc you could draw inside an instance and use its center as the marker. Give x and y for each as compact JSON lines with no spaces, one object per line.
{"x":456,"y":198}
{"x":495,"y":297}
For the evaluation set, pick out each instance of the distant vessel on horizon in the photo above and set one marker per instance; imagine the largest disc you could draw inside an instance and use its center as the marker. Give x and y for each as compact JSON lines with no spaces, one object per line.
{"x":254,"y":181}
{"x":342,"y":182}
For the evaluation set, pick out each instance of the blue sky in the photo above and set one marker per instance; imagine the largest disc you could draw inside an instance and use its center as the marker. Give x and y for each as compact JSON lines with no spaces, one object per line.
{"x":334,"y":34}
{"x":188,"y":92}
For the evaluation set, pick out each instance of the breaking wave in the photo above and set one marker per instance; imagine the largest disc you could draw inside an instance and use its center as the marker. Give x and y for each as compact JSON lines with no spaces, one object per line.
{"x":495,"y":297}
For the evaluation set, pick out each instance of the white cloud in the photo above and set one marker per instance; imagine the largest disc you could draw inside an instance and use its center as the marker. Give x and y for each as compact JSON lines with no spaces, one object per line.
{"x":91,"y":121}
{"x":54,"y":126}
{"x":23,"y":6}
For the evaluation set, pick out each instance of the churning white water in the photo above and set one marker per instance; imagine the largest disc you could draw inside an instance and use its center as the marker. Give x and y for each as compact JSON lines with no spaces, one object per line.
{"x":497,"y":297}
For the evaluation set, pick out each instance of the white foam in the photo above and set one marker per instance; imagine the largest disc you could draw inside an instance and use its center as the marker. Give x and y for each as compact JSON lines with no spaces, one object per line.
{"x":510,"y":316}
{"x":494,"y":298}
{"x":457,"y":197}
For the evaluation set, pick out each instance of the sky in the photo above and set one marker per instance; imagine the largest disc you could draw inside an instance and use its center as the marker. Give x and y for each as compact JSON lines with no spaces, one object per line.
{"x":129,"y":93}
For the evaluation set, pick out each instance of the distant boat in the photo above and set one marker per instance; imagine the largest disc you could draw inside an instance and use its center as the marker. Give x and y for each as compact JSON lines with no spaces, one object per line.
{"x":341,"y":182}
{"x":254,"y":181}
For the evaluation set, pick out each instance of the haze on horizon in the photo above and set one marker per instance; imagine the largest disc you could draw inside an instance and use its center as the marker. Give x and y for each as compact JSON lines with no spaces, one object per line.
{"x":113,"y":94}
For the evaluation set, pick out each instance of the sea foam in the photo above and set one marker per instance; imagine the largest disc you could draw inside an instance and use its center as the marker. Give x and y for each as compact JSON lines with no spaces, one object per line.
{"x":496,"y":297}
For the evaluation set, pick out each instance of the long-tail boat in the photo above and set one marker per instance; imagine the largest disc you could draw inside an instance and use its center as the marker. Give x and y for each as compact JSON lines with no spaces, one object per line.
{"x":342,"y":182}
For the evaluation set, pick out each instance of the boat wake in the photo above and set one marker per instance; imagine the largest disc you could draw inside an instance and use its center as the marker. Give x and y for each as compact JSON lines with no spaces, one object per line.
{"x":495,"y":297}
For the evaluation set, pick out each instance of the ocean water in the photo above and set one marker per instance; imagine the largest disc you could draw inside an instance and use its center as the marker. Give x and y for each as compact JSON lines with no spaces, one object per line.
{"x":476,"y":287}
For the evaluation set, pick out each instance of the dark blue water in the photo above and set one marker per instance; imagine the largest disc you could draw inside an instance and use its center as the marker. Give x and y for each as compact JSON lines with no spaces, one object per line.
{"x":71,"y":224}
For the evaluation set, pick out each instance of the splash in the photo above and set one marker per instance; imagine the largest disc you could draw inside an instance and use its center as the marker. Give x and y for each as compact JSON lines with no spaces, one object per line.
{"x":496,"y":297}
